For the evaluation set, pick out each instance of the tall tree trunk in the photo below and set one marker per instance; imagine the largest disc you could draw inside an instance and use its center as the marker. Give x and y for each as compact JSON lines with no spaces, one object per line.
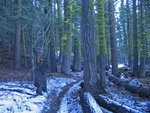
{"x":67,"y":40}
{"x":91,"y":79}
{"x":129,"y":34}
{"x":143,"y":44}
{"x":102,"y":43}
{"x":77,"y":55}
{"x":107,"y":32}
{"x":60,"y":29}
{"x":17,"y":59}
{"x":135,"y":41}
{"x":113,"y":39}
{"x":52,"y":55}
{"x":124,"y":32}
{"x":147,"y":52}
{"x":52,"y":41}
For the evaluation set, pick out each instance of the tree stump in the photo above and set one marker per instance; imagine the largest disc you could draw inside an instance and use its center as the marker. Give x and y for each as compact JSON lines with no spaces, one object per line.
{"x":40,"y":74}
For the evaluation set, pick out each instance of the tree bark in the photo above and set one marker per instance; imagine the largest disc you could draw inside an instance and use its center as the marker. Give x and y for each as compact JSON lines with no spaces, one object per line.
{"x":102,"y":43}
{"x":113,"y":39}
{"x":17,"y":59}
{"x":143,"y":44}
{"x":40,"y":74}
{"x":60,"y":29}
{"x":130,"y":62}
{"x":91,"y":79}
{"x":124,"y":31}
{"x":67,"y":40}
{"x":77,"y":55}
{"x":135,"y":41}
{"x":77,"y":52}
{"x":53,"y":63}
{"x":52,"y":56}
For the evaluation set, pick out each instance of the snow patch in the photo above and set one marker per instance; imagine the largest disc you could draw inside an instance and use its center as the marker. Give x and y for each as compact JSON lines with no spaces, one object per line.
{"x":56,"y":83}
{"x":70,"y":103}
{"x":15,"y":102}
{"x":135,"y":82}
{"x":11,"y":102}
{"x":121,"y":65}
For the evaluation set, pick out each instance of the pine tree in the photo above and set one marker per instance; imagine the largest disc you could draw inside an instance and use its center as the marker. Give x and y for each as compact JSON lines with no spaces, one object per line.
{"x":17,"y":59}
{"x":101,"y":61}
{"x":143,"y":44}
{"x":52,"y":41}
{"x":135,"y":41}
{"x":60,"y":29}
{"x":129,"y":32}
{"x":67,"y":40}
{"x":91,"y":79}
{"x":113,"y":40}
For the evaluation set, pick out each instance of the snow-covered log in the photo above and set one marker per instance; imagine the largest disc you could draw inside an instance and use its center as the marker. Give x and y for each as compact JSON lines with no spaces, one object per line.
{"x":143,"y":92}
{"x":88,"y":103}
{"x":114,"y":79}
{"x":113,"y":106}
{"x":17,"y":90}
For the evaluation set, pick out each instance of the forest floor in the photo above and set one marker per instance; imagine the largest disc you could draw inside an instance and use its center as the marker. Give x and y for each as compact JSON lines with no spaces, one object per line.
{"x":18,"y":94}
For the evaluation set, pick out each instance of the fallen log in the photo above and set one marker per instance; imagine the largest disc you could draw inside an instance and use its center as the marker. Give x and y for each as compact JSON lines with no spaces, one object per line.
{"x":113,"y":106}
{"x":88,"y":103}
{"x":115,"y":79}
{"x":17,"y":90}
{"x":143,"y":92}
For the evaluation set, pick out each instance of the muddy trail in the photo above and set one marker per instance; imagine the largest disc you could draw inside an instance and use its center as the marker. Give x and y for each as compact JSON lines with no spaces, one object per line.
{"x":54,"y":106}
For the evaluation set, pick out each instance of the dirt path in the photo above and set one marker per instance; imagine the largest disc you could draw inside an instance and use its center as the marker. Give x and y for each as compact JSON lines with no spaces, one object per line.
{"x":54,"y":101}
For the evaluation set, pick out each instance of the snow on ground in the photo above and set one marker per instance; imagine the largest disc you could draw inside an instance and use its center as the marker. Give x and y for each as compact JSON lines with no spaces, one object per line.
{"x":119,"y":65}
{"x":70,"y":102}
{"x":56,"y":83}
{"x":27,"y":101}
{"x":11,"y":101}
{"x":132,"y":81}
